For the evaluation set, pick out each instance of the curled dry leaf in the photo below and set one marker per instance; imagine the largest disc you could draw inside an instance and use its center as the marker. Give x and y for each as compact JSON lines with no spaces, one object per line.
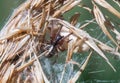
{"x":74,"y":18}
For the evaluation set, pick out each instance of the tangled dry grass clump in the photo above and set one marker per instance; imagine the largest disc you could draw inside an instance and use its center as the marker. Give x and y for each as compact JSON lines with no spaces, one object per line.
{"x":37,"y":28}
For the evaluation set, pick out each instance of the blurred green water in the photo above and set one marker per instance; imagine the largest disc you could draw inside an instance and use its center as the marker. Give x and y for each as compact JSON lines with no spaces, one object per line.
{"x":97,"y":71}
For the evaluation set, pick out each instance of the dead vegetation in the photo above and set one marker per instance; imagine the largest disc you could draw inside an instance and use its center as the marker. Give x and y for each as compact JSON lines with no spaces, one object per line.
{"x":37,"y":28}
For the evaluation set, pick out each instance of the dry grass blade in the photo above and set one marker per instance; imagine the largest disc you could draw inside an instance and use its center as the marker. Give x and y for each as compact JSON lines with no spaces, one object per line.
{"x":112,"y":28}
{"x":82,"y":34}
{"x":77,"y":75}
{"x":117,"y":2}
{"x":105,"y":4}
{"x":101,"y":21}
{"x":66,"y":7}
{"x":41,"y":77}
{"x":62,"y":9}
{"x":83,"y":26}
{"x":107,"y":48}
{"x":85,"y":7}
{"x":8,"y":74}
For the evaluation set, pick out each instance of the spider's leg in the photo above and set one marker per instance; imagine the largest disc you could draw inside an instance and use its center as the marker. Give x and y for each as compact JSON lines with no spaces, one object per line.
{"x":58,"y":32}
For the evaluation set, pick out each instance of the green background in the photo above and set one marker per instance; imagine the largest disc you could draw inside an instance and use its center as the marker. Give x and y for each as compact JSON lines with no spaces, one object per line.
{"x":6,"y":9}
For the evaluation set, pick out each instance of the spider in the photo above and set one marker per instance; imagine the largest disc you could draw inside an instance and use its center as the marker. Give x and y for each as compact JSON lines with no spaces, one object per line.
{"x":57,"y":41}
{"x":53,"y":48}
